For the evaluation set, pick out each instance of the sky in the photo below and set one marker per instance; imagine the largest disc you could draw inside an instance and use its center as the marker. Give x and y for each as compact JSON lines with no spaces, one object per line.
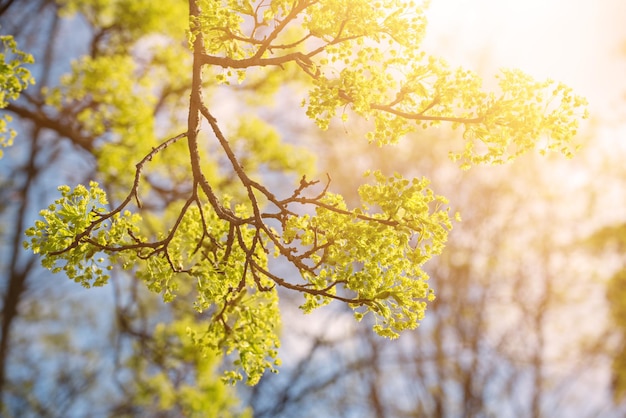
{"x":579,"y":42}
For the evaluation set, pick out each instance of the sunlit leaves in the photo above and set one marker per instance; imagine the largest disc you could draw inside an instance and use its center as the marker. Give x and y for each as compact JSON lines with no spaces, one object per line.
{"x":68,"y":217}
{"x":525,"y":115}
{"x":376,"y":252}
{"x":220,"y":27}
{"x":76,"y":233}
{"x":207,"y":224}
{"x":14,"y":78}
{"x":498,"y":126}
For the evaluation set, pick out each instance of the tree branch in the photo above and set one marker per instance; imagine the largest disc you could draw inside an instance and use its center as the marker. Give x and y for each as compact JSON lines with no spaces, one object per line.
{"x":43,"y":120}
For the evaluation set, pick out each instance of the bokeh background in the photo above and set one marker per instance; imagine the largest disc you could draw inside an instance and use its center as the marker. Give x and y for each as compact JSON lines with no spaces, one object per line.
{"x":526,"y":321}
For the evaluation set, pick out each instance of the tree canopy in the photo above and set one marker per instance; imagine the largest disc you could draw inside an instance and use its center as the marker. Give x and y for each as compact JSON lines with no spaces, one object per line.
{"x":185,"y":203}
